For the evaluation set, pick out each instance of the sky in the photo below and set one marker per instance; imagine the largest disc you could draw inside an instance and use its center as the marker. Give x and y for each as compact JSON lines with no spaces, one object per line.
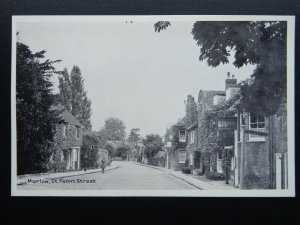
{"x":130,"y":72}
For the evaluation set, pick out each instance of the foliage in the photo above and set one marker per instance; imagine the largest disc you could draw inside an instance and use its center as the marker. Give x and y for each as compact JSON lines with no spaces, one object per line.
{"x":122,"y":151}
{"x":74,"y":97}
{"x":133,"y":139}
{"x":89,"y":150}
{"x":153,"y":144}
{"x":261,"y":43}
{"x":208,"y":140}
{"x":35,"y":123}
{"x":191,"y":110}
{"x":161,"y":25}
{"x":114,"y":130}
{"x":110,"y":148}
{"x":175,"y":137}
{"x":134,"y":136}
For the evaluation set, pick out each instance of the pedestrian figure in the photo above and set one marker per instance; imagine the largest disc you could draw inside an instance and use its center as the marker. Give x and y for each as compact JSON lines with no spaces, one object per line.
{"x":103,"y":164}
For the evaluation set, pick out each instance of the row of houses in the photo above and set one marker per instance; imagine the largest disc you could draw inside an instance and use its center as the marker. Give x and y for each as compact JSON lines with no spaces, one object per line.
{"x":219,"y":139}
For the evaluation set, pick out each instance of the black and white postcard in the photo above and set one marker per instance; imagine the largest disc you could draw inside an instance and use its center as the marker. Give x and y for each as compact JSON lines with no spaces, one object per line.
{"x":153,"y":106}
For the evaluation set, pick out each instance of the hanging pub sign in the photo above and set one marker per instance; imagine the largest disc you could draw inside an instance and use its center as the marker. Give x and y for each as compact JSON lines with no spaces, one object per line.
{"x":226,"y":127}
{"x":227,"y":123}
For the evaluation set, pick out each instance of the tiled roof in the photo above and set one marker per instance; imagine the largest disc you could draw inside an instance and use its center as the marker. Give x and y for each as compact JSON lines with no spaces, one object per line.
{"x":65,"y":115}
{"x":206,"y":96}
{"x":181,"y":122}
{"x":194,"y":125}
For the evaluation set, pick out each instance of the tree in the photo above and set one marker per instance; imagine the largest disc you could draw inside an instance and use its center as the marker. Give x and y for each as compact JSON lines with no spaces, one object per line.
{"x":35,"y":121}
{"x":89,"y":150}
{"x":261,"y":43}
{"x":111,"y":149}
{"x":114,"y":130}
{"x":153,"y":144}
{"x":74,"y":97}
{"x":134,"y":137}
{"x":122,"y":151}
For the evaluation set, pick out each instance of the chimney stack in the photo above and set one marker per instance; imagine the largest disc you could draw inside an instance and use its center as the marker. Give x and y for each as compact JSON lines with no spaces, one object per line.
{"x":230,"y":82}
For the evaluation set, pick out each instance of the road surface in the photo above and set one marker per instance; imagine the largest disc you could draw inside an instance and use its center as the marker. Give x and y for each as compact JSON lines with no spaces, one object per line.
{"x":128,"y":176}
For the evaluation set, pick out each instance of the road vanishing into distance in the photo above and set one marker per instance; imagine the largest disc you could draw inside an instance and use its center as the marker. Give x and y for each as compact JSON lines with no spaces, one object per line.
{"x":128,"y":176}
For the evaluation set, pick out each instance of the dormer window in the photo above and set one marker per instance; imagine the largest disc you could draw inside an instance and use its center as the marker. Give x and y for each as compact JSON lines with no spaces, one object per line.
{"x":182,"y":136}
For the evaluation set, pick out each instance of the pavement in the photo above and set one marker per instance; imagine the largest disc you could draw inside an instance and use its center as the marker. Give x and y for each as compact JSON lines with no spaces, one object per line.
{"x":200,"y":182}
{"x":23,"y":179}
{"x":129,"y":176}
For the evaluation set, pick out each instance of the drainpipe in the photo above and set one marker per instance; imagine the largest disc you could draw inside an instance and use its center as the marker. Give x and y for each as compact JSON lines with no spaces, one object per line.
{"x":242,"y":158}
{"x":271,"y":152}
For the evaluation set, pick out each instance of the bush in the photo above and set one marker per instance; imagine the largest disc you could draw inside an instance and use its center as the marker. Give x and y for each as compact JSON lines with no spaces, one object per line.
{"x":215,"y":176}
{"x":58,"y":166}
{"x":186,"y":170}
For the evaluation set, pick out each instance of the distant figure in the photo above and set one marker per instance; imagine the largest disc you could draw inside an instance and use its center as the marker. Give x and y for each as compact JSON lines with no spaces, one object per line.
{"x":103,"y":164}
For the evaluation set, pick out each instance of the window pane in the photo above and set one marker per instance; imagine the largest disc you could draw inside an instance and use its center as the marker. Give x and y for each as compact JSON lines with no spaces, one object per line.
{"x":260,"y":119}
{"x":253,"y":125}
{"x":253,"y":118}
{"x":261,"y":125}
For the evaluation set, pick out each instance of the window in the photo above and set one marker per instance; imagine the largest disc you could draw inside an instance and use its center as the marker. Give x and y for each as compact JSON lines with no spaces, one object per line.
{"x":181,"y":157}
{"x":65,"y":130}
{"x":77,"y":132}
{"x":256,"y":123}
{"x":191,"y":159}
{"x":242,"y":119}
{"x":192,"y":137}
{"x":182,"y":137}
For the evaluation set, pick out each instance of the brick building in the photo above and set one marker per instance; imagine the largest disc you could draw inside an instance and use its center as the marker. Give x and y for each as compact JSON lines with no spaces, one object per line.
{"x":67,"y":141}
{"x":261,"y":151}
{"x":176,"y":152}
{"x":209,"y":161}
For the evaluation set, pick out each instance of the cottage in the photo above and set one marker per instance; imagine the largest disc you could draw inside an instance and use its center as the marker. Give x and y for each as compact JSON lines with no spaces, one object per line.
{"x":67,"y":141}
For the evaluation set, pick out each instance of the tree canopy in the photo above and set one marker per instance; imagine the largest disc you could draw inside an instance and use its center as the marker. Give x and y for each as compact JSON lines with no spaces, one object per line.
{"x":89,"y":150}
{"x":114,"y":130}
{"x":153,"y":144}
{"x":134,"y":136}
{"x":261,"y":43}
{"x":35,"y":121}
{"x":74,"y":97}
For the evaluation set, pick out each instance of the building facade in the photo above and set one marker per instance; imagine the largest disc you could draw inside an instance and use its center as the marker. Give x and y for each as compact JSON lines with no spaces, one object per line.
{"x":210,"y":160}
{"x":177,"y":138}
{"x":67,"y":141}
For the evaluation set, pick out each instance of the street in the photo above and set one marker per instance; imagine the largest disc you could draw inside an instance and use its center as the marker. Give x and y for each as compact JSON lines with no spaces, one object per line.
{"x":128,"y":176}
